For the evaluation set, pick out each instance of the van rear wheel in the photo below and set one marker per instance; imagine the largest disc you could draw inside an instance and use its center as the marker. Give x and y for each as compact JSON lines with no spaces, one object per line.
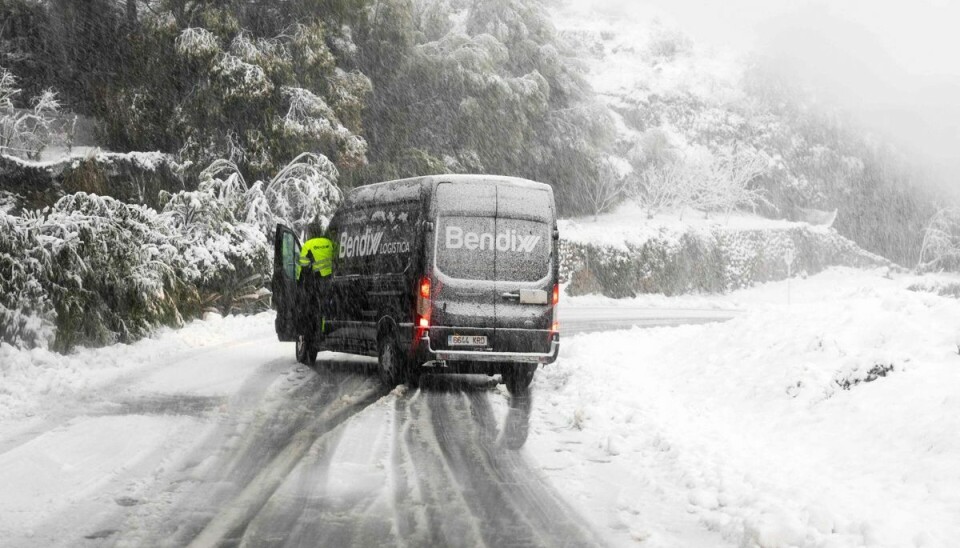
{"x":517,"y":377}
{"x":390,"y":362}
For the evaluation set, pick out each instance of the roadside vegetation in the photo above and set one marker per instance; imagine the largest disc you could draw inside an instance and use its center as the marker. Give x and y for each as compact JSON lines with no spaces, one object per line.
{"x":255,"y":112}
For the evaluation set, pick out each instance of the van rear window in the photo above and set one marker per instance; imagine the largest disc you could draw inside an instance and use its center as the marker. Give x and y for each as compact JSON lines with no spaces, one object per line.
{"x":526,"y":258}
{"x":487,"y":248}
{"x":460,"y":251}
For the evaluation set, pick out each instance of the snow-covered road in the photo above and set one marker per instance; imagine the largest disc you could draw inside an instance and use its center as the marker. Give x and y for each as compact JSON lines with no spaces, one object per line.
{"x":823,"y":414}
{"x":231,"y":441}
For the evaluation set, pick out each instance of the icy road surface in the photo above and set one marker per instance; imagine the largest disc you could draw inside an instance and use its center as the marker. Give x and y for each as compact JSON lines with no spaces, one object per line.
{"x":234,"y":443}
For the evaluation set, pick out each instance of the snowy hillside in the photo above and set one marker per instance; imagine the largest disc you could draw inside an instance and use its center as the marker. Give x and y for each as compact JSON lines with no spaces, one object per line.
{"x":685,"y":112}
{"x":632,"y":54}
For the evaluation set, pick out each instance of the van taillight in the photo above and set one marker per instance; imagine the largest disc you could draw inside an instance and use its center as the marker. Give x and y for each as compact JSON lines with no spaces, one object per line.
{"x":425,"y":288}
{"x":555,"y":327}
{"x":423,"y":304}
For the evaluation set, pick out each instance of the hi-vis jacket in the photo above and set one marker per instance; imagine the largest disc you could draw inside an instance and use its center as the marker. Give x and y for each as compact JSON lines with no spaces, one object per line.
{"x":317,"y":252}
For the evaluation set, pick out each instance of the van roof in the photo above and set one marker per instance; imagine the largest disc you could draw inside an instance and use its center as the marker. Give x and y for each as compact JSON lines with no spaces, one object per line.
{"x":410,"y":189}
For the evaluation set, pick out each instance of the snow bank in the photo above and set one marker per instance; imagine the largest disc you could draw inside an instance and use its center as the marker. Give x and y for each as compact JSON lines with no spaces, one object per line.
{"x":829,"y":421}
{"x":629,"y":225}
{"x":30,"y":379}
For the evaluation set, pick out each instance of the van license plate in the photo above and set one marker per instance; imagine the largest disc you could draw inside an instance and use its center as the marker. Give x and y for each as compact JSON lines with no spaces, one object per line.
{"x":467,"y":340}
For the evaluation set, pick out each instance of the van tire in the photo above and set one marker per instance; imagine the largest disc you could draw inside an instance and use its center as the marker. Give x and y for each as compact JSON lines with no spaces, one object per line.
{"x":391,"y":365}
{"x":306,"y":351}
{"x":517,"y":377}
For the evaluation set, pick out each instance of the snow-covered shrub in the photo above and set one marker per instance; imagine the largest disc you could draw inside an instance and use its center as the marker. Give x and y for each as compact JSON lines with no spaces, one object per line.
{"x":666,"y":44}
{"x":27,"y":316}
{"x":227,"y":226}
{"x":92,"y":270}
{"x":116,"y":270}
{"x":222,"y":245}
{"x":712,"y":261}
{"x":9,"y":201}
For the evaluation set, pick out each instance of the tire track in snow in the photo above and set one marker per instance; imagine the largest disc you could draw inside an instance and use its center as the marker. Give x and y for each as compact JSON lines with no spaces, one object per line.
{"x":335,"y":494}
{"x":415,"y":468}
{"x":507,"y":496}
{"x":273,"y":411}
{"x":229,"y":524}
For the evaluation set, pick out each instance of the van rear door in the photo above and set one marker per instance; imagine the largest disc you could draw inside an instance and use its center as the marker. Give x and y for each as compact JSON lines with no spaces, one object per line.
{"x":524,"y":269}
{"x":463,"y":299}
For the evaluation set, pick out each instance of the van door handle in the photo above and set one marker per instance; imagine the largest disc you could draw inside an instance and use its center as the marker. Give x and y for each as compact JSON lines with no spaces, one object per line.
{"x":511,"y":296}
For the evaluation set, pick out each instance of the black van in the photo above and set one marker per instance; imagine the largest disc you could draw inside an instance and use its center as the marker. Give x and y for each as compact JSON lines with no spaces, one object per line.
{"x":453,"y":272}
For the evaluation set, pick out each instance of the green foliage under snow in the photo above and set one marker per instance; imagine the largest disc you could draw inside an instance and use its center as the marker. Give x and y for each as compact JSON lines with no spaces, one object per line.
{"x":715,"y":260}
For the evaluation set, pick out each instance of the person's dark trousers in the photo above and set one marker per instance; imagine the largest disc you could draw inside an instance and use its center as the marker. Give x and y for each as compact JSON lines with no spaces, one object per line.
{"x":308,"y":305}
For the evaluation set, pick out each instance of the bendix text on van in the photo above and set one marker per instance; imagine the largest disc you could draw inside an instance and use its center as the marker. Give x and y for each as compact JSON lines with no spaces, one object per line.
{"x":368,"y":243}
{"x":456,"y":238}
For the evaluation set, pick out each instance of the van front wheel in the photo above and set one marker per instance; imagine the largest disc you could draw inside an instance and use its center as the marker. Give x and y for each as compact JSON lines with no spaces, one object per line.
{"x":517,"y":377}
{"x":306,"y":351}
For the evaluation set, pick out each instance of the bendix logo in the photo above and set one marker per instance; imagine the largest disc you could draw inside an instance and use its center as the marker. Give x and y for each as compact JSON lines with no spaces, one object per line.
{"x":369,"y":243}
{"x":457,"y":238}
{"x":360,"y":246}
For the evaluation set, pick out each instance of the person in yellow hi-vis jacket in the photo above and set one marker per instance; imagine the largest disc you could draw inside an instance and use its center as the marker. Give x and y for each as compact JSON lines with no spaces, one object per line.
{"x":317,"y":254}
{"x":313,"y":270}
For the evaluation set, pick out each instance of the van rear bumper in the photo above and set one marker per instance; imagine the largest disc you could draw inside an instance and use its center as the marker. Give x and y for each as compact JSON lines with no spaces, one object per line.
{"x":481,"y":356}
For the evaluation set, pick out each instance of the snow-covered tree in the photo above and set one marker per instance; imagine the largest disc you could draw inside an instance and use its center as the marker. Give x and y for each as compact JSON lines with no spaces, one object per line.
{"x":728,"y":179}
{"x":303,"y":193}
{"x":940,"y":249}
{"x":609,"y":187}
{"x":253,"y":82}
{"x":27,"y":132}
{"x":482,"y":86}
{"x":665,"y":187}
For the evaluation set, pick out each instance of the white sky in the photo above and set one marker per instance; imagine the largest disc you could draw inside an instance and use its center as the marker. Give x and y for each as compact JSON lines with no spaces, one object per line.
{"x":894,"y":63}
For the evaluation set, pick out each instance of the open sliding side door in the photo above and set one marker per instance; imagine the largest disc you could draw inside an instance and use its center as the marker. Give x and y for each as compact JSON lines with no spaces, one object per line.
{"x":286,"y":252}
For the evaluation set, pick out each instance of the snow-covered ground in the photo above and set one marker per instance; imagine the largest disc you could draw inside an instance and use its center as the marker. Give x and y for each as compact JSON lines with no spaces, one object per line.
{"x":824,"y":413}
{"x":34,"y":380}
{"x":776,"y":428}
